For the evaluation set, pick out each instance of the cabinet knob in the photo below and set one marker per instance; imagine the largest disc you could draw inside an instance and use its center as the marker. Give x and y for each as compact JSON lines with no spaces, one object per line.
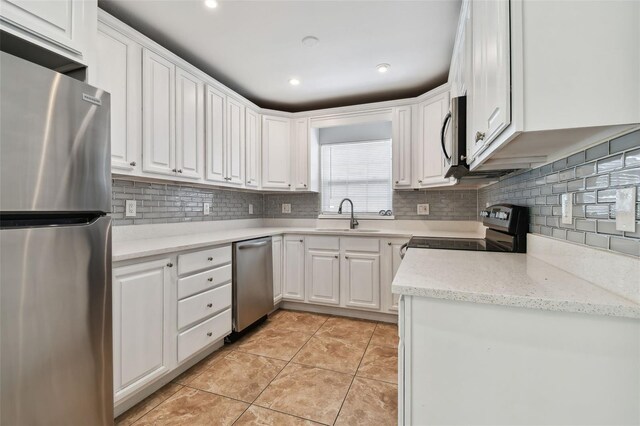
{"x":397,"y":182}
{"x":289,"y":185}
{"x":388,"y":244}
{"x":174,"y":170}
{"x":419,"y":180}
{"x":336,"y":256}
{"x":305,"y":185}
{"x":209,"y":305}
{"x":479,"y":136}
{"x":170,"y":265}
{"x":302,"y":241}
{"x":209,"y":334}
{"x":211,"y":279}
{"x":132,"y":164}
{"x":210,"y":259}
{"x":179,"y":170}
{"x":346,"y":257}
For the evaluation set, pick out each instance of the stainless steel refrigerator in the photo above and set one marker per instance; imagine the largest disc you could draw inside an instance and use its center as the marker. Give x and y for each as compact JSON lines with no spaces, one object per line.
{"x":55,"y":249}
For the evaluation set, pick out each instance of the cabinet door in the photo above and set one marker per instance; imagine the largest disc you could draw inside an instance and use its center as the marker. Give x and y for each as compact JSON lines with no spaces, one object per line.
{"x":215,"y":135}
{"x":401,"y":143}
{"x":430,"y":158}
{"x":235,"y":142}
{"x":189,"y":125}
{"x":159,"y":147}
{"x":118,"y":71}
{"x":390,"y":262}
{"x":491,"y":91}
{"x":252,"y":148}
{"x":301,"y":153}
{"x":361,"y":280}
{"x":322,"y":282}
{"x":276,"y":250}
{"x":142,"y":346}
{"x":293,"y":268}
{"x":276,"y":154}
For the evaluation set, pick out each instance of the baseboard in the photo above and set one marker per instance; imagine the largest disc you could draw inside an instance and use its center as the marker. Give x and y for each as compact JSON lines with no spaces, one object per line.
{"x":336,"y":310}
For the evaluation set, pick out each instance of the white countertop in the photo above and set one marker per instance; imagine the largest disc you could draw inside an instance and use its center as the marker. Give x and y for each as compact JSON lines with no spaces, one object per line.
{"x":509,"y":279}
{"x":127,"y":248}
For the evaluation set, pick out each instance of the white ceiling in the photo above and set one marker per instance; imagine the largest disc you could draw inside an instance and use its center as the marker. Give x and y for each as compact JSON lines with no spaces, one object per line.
{"x":255,"y":47}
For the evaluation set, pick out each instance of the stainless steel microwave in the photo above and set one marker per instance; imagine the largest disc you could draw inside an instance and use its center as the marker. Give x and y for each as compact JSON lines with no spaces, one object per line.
{"x":455,"y":121}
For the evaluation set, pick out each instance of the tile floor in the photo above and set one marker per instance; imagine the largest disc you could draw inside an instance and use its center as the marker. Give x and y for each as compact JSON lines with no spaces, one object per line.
{"x":295,"y":369}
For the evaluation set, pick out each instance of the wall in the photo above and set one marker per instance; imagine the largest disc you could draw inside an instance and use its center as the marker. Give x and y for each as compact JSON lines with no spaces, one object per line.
{"x":168,"y":203}
{"x":443,"y":205}
{"x":592,"y":176}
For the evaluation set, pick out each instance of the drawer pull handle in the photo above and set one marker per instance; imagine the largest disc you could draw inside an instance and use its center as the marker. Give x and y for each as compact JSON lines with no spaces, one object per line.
{"x":209,"y":334}
{"x":209,"y":279}
{"x":210,"y":259}
{"x":209,"y":305}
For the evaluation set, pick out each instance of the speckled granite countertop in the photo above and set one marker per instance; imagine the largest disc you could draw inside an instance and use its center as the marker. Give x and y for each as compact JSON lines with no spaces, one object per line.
{"x":508,"y":279}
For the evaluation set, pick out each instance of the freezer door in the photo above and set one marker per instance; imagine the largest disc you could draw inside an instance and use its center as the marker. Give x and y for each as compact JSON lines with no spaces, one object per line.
{"x":55,"y":325}
{"x":55,"y":152}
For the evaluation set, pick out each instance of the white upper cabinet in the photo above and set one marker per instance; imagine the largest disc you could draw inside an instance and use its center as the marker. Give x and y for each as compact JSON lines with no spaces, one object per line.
{"x":235,"y":142}
{"x":491,"y":99}
{"x":159,"y":142}
{"x":429,"y":158}
{"x":252,"y":148}
{"x":119,"y":72}
{"x":189,"y":125}
{"x":300,"y":152}
{"x":215,"y":135}
{"x":276,"y":152}
{"x":401,"y":143}
{"x":66,"y":27}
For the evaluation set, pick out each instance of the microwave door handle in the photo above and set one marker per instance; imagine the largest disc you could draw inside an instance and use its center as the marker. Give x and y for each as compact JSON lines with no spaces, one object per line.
{"x":443,"y":132}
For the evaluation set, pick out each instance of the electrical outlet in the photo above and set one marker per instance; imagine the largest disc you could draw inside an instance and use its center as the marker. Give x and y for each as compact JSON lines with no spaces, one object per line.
{"x":286,"y":208}
{"x":250,"y":208}
{"x":207,"y":208}
{"x":130,"y":210}
{"x":423,"y":209}
{"x":567,"y":209}
{"x":626,"y":209}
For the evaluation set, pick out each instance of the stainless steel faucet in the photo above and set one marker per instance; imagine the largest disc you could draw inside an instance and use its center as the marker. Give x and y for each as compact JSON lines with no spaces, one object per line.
{"x":353,"y":223}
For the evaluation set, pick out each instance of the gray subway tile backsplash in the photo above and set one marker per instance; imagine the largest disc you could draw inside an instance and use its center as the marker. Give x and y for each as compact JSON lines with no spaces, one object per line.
{"x":598,"y":173}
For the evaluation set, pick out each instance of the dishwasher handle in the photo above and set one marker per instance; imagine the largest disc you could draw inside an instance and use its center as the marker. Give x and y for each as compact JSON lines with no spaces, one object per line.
{"x":252,"y":245}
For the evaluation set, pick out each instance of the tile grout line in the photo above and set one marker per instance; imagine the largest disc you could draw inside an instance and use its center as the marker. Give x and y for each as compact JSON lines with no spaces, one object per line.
{"x":280,"y":372}
{"x":155,"y":406}
{"x":354,"y":375}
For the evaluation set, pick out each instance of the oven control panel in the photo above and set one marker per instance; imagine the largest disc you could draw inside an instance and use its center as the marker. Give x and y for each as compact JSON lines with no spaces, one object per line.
{"x":506,"y":218}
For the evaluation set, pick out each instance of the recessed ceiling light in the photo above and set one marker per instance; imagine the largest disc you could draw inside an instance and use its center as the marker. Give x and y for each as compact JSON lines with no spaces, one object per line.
{"x":294,"y":82}
{"x":212,"y":4}
{"x":310,"y":41}
{"x":382,"y":68}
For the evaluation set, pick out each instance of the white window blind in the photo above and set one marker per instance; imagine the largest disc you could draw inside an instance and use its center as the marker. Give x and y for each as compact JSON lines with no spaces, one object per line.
{"x":360,"y":171}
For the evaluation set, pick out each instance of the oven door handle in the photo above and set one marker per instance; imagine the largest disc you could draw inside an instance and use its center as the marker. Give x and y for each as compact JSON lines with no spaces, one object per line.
{"x":403,"y":250}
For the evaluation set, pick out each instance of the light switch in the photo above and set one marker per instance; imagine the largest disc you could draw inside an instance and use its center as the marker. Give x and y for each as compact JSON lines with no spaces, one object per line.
{"x":286,"y":208}
{"x":423,"y":209}
{"x":567,"y":209}
{"x":130,"y":208}
{"x":626,"y":209}
{"x":207,"y":208}
{"x":250,"y":208}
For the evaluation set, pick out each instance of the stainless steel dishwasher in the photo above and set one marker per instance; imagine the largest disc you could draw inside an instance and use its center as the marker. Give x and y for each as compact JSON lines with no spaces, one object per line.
{"x":252,"y":282}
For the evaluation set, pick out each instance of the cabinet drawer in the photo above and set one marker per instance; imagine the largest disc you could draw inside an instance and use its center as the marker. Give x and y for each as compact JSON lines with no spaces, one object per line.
{"x":195,"y":308}
{"x":203,"y":259}
{"x":323,"y":243}
{"x":193,"y":284}
{"x":371,"y":245}
{"x":196,"y":338}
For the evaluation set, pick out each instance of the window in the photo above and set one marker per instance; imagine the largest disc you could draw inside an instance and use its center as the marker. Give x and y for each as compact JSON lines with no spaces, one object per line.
{"x":360,"y":171}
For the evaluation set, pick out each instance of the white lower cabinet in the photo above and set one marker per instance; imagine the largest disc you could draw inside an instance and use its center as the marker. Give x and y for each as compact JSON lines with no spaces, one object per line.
{"x":361,"y":280}
{"x":276,"y":251}
{"x":143,"y":337}
{"x":389,"y":263}
{"x":293,"y":268}
{"x":323,"y":276}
